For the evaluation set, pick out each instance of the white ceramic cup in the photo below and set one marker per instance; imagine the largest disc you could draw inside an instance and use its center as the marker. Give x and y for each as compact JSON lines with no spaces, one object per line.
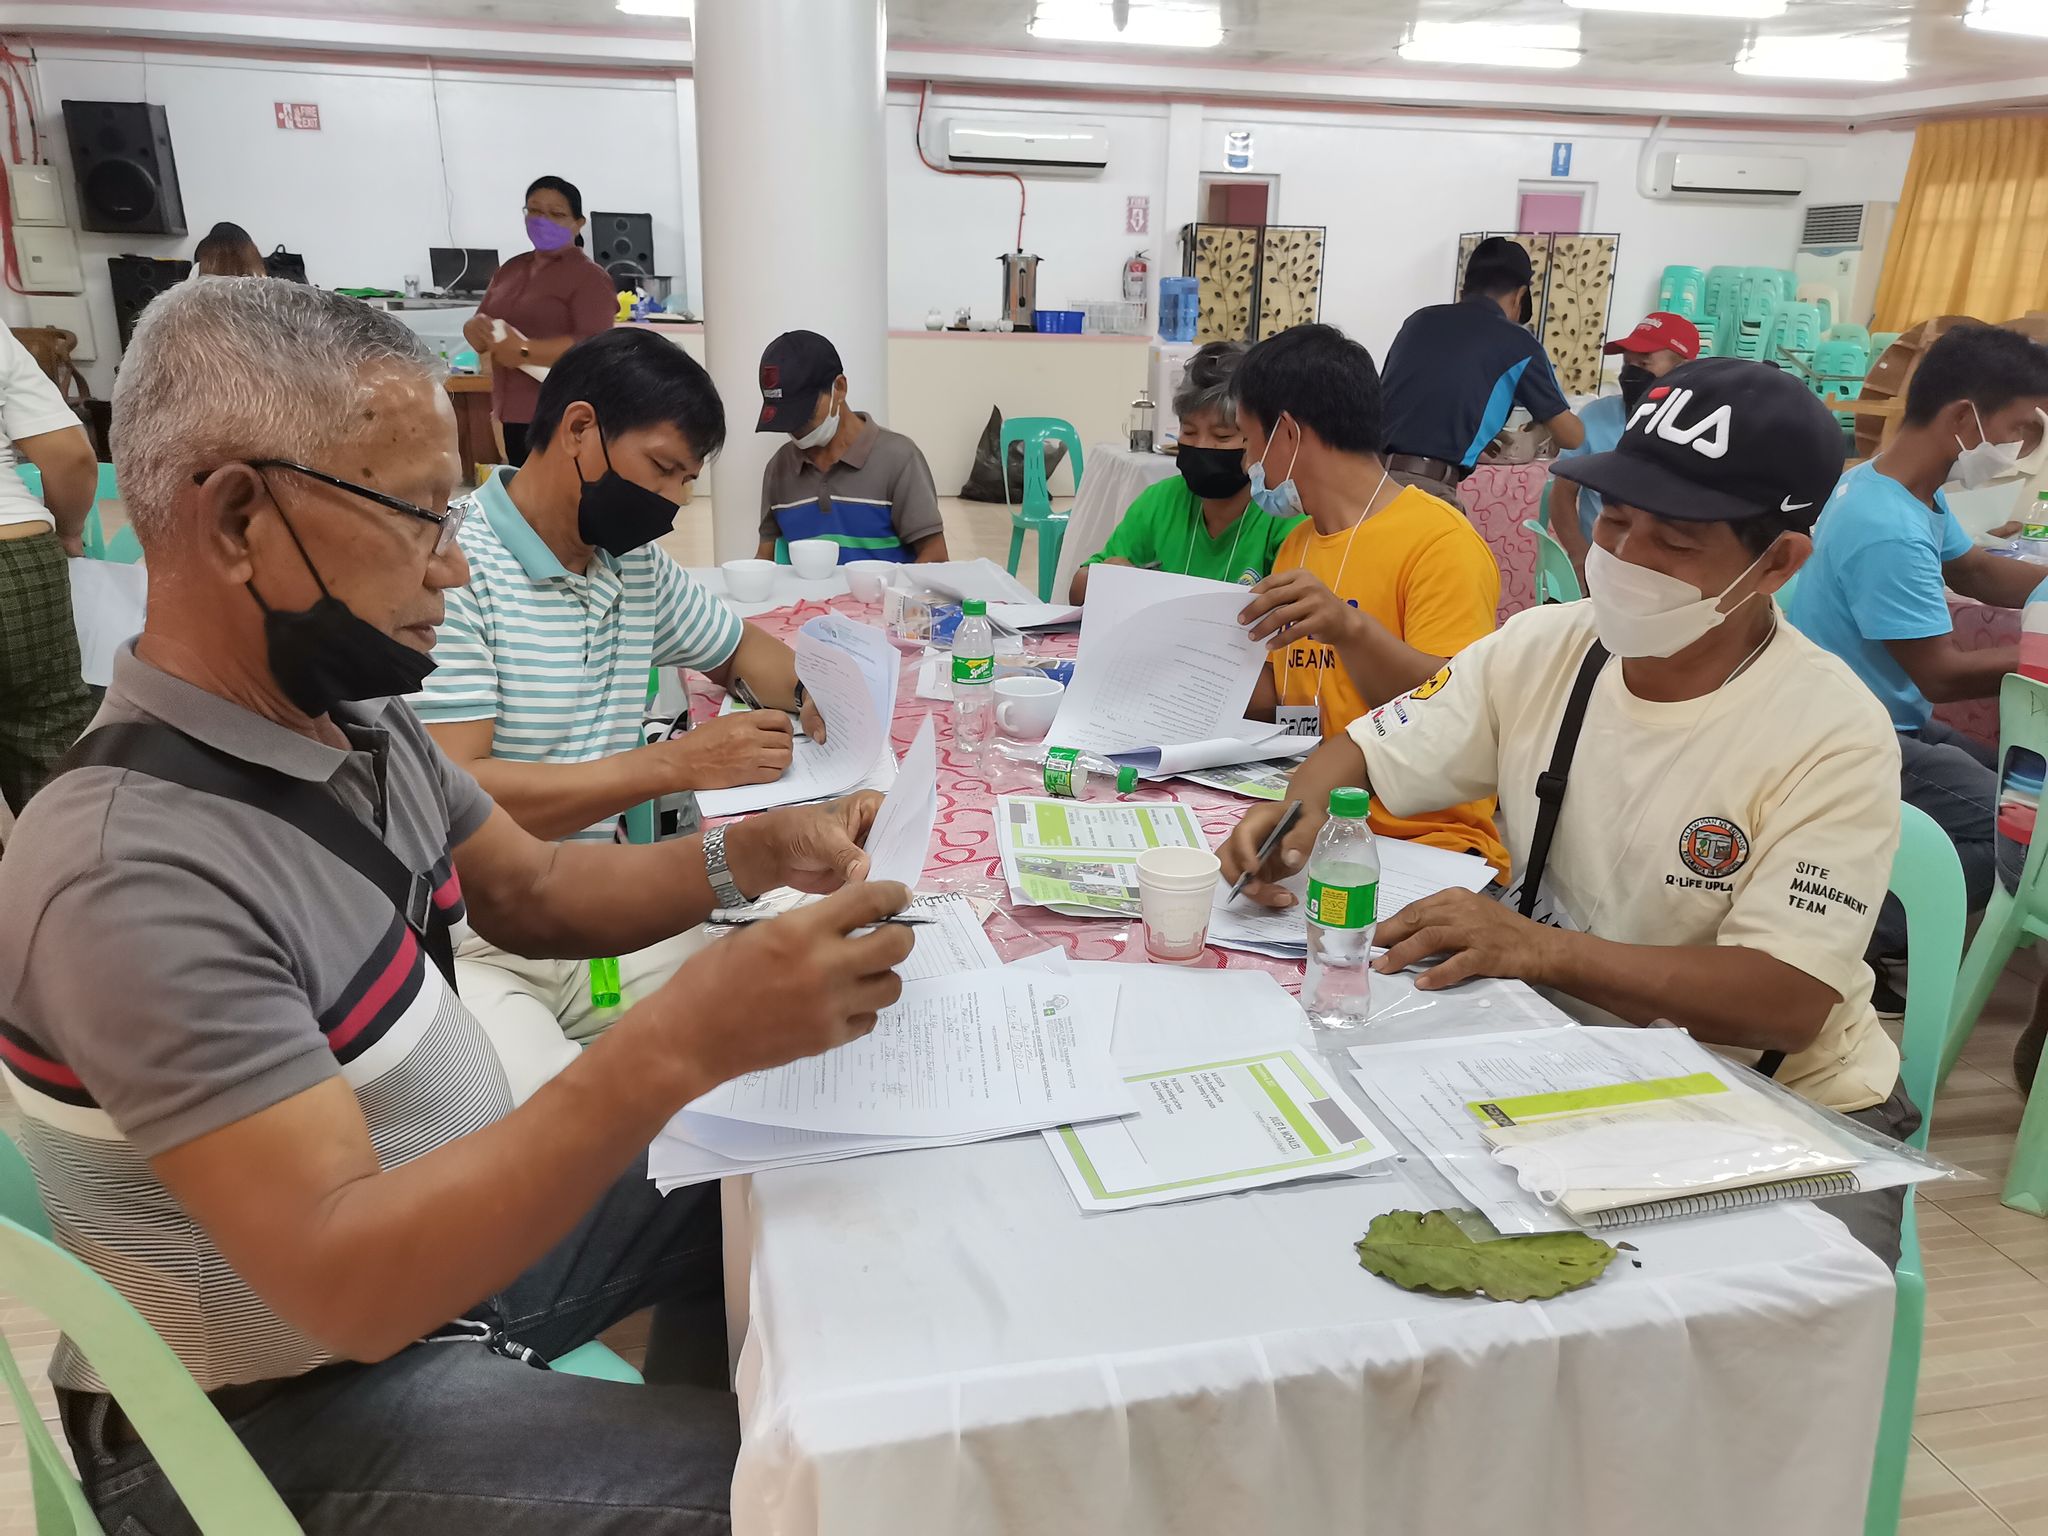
{"x":1175,"y":889}
{"x":865,"y":579}
{"x":1025,"y":706}
{"x":814,"y":559}
{"x":749,"y":581}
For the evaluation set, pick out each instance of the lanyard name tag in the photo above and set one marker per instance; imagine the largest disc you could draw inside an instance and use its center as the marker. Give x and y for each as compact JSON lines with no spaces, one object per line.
{"x":1299,"y":719}
{"x":1547,"y":910}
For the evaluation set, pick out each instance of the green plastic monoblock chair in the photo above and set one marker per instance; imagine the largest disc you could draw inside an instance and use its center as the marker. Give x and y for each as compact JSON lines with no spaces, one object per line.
{"x":2010,"y":918}
{"x":124,"y":548}
{"x":1682,"y":291}
{"x":1928,"y":880}
{"x":1556,"y":580}
{"x":1035,"y":514}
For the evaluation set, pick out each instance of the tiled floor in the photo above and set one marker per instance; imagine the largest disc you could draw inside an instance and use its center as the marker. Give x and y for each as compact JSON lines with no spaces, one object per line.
{"x":1980,"y":1456}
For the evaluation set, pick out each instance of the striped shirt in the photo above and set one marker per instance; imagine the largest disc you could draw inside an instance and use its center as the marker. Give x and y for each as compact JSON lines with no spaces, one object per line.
{"x":173,"y":962}
{"x":556,"y":661}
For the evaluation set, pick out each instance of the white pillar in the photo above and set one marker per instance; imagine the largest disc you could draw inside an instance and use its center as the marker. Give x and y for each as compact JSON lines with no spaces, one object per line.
{"x":794,"y":205}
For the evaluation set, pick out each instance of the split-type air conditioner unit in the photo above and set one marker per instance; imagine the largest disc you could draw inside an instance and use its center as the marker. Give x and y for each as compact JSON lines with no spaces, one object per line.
{"x":1027,"y":145}
{"x":1685,"y":175}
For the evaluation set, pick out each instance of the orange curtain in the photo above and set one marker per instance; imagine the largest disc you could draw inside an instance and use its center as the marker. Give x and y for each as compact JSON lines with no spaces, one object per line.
{"x":1971,"y":237}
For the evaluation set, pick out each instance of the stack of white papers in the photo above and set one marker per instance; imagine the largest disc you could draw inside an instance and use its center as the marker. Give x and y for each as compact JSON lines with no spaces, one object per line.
{"x":1408,"y":872}
{"x":1082,"y":858}
{"x":850,"y":670}
{"x":958,"y":1058}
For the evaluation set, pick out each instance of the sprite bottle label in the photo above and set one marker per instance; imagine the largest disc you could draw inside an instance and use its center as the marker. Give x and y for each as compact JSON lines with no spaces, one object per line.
{"x":974,"y":669}
{"x":1342,"y":906}
{"x":1061,"y":769}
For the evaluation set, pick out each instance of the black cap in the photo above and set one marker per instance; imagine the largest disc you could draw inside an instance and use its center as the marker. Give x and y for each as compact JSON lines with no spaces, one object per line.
{"x":1721,"y":440}
{"x":798,"y":367}
{"x":1498,"y":257}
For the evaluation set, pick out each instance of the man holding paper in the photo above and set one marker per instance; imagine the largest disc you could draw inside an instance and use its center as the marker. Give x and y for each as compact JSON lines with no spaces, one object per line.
{"x":1380,"y":586}
{"x":544,"y":656}
{"x":1730,"y":809}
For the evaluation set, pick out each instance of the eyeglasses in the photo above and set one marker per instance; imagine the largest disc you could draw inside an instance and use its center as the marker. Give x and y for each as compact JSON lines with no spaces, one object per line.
{"x":446,"y":524}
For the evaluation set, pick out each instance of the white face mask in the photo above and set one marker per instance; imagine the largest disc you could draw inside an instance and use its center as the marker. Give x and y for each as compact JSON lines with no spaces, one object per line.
{"x":822,"y":433}
{"x":1986,"y":461}
{"x":1641,"y":612}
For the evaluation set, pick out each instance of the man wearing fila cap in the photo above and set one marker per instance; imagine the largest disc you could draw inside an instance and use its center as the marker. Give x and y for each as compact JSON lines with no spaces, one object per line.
{"x":1726,"y":825}
{"x":1659,"y":344}
{"x":842,"y":475}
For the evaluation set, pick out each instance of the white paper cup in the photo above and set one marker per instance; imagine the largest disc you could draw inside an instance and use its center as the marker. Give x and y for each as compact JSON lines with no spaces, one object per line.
{"x":1175,"y":889}
{"x":749,"y":581}
{"x":865,"y":579}
{"x":1025,"y":706}
{"x":814,"y":559}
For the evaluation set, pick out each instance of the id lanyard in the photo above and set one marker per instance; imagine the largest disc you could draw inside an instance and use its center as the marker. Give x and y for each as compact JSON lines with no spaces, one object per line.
{"x":1316,"y":702}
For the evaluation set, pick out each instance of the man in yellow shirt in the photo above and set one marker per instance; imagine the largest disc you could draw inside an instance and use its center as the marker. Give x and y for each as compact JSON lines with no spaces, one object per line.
{"x":1380,"y":586}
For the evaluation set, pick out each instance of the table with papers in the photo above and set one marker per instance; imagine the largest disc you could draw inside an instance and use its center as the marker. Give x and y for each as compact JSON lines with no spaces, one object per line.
{"x":944,"y":1341}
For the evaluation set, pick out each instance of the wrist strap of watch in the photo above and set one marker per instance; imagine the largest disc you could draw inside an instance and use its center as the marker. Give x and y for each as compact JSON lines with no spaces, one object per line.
{"x":800,"y":695}
{"x":716,"y":870}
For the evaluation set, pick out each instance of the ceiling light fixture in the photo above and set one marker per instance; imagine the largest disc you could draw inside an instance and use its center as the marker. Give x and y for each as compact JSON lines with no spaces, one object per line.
{"x":2022,"y":18}
{"x":1744,"y":10}
{"x":1144,"y":23}
{"x":678,"y":8}
{"x":1493,"y":44}
{"x":1825,"y":58}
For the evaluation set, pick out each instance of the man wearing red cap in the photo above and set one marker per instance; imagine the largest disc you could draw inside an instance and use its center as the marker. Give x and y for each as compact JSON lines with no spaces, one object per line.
{"x":1656,"y":346}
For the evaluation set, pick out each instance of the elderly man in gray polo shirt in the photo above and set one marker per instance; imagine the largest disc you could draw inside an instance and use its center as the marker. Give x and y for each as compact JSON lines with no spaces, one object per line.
{"x":253,"y":1099}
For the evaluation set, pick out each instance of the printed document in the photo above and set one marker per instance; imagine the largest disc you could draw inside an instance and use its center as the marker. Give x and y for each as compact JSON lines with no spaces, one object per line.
{"x":1080,"y":857}
{"x":902,"y":831}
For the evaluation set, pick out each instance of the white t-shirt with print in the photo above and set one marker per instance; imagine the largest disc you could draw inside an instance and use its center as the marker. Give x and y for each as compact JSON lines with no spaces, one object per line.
{"x":30,"y":405}
{"x":1763,"y":815}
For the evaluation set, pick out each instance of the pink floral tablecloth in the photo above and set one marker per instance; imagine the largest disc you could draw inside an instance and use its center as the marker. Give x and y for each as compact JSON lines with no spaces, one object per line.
{"x":1499,"y":499}
{"x":1977,"y":625}
{"x":963,"y":854}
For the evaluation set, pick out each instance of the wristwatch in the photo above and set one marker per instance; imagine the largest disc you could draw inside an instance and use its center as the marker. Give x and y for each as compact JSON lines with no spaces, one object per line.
{"x":725,"y":893}
{"x":800,"y":695}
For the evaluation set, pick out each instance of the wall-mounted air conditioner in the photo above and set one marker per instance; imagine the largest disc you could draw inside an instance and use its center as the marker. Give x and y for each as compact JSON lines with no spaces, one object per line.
{"x":1716,"y":176}
{"x":1841,"y":248}
{"x":1026,"y":145}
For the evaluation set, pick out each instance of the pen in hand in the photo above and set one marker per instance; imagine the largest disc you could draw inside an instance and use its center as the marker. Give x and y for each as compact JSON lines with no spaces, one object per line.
{"x":1281,"y":828}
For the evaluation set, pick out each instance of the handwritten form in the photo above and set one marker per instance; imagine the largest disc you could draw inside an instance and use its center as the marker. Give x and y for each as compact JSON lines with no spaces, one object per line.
{"x":1163,"y":662}
{"x":902,"y":829}
{"x":850,"y":669}
{"x":989,"y":1051}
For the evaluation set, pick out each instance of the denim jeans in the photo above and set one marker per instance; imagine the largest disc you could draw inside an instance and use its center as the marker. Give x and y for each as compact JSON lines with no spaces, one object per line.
{"x":1951,"y":777}
{"x":452,"y":1440}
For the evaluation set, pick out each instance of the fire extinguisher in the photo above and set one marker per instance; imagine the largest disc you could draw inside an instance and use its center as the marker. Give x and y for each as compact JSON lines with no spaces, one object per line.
{"x":1134,"y":278}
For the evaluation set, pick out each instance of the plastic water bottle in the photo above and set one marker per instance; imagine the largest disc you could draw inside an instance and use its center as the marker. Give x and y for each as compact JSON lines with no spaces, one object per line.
{"x":1343,"y":910}
{"x":2033,"y":539}
{"x":1065,"y":773}
{"x":974,"y":675}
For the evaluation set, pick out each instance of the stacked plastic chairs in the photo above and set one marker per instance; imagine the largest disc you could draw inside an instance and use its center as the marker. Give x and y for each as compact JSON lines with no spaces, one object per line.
{"x":1683,"y":292}
{"x":1796,"y":329}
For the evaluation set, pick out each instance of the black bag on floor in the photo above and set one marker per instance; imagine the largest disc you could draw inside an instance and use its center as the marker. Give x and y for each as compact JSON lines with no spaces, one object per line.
{"x":985,"y":480}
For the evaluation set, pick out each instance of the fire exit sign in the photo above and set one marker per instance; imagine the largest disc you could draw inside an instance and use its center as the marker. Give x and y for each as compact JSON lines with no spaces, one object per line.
{"x":302,"y":115}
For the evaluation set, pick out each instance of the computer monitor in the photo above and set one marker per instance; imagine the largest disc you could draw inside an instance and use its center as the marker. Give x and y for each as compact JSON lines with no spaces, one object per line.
{"x":462,"y":269}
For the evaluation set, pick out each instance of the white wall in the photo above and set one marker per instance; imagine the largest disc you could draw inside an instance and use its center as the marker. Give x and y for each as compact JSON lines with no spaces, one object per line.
{"x":405,"y":159}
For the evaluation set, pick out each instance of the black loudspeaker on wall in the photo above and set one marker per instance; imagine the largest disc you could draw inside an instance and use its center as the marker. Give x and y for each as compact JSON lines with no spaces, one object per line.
{"x":623,"y":244}
{"x":137,"y":280}
{"x":127,"y":176}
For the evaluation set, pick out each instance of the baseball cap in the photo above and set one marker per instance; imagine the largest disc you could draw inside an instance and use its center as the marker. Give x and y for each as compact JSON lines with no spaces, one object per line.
{"x":797,"y":367}
{"x":1720,"y":440}
{"x":1660,"y":331}
{"x":1498,"y":256}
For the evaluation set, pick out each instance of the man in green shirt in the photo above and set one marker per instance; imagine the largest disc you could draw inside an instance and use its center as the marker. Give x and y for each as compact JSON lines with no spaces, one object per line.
{"x":1203,"y":521}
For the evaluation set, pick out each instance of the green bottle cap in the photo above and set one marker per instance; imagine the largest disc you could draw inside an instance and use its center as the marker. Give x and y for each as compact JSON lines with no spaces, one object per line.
{"x":1350,"y":802}
{"x":974,"y":608}
{"x":1126,"y":780}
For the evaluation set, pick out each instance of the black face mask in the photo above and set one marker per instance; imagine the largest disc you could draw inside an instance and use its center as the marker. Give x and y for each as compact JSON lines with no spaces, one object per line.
{"x":1214,"y":474}
{"x":1635,"y":379}
{"x":324,"y":654}
{"x":1528,"y":306}
{"x":617,"y":516}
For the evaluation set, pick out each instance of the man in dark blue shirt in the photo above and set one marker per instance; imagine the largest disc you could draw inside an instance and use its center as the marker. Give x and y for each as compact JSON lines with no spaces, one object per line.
{"x":1456,"y":370}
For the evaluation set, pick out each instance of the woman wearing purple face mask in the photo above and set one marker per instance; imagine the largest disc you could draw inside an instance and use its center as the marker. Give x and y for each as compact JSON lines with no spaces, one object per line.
{"x":539,"y":305}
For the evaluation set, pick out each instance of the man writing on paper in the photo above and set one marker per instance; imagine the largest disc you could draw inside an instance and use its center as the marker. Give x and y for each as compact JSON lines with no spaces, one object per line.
{"x":254,"y":1102}
{"x":1381,"y":584}
{"x":543,"y":657}
{"x":1731,"y":808}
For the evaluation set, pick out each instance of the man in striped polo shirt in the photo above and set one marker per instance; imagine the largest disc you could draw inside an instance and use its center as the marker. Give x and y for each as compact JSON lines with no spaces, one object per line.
{"x":543,"y":658}
{"x":842,"y":475}
{"x":254,"y":1103}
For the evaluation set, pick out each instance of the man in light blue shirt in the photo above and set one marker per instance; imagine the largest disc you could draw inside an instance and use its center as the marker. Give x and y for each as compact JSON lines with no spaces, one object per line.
{"x":1885,"y":548}
{"x":1659,"y":344}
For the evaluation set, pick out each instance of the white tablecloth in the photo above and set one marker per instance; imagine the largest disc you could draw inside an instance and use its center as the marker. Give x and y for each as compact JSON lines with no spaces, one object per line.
{"x":789,"y":588}
{"x":941,"y":1342}
{"x":1112,"y":476}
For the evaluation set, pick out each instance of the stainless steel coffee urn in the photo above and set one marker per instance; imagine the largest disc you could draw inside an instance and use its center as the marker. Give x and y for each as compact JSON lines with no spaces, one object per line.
{"x":1020,"y":289}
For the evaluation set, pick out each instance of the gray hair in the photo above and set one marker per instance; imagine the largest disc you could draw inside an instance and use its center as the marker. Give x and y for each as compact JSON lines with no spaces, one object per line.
{"x":1206,"y":384}
{"x":236,"y":368}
